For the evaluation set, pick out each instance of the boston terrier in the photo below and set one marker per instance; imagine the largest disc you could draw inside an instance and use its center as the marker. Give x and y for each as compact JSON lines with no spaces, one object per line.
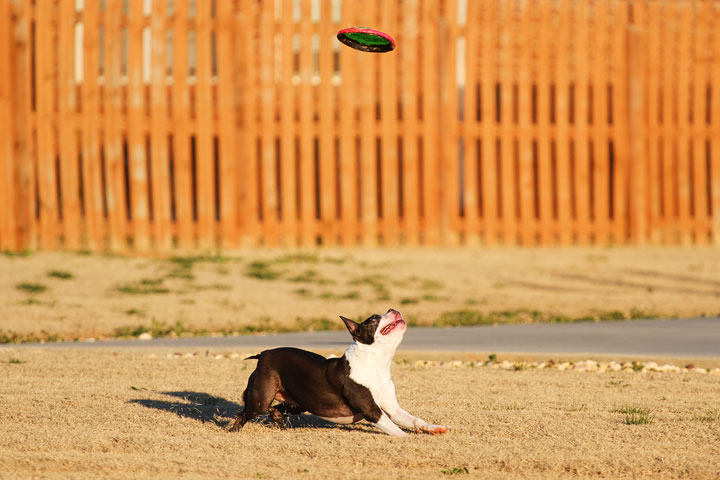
{"x":344,"y":390}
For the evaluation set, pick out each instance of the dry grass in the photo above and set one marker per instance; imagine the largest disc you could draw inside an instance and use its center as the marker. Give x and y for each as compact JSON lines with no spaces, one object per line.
{"x":100,"y":296}
{"x":80,"y":414}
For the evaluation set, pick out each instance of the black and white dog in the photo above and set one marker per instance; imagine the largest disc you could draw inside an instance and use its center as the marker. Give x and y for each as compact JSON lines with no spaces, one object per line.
{"x":354,"y":387}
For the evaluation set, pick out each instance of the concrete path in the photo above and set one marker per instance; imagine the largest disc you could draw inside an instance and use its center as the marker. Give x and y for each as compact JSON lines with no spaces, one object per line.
{"x":698,"y":337}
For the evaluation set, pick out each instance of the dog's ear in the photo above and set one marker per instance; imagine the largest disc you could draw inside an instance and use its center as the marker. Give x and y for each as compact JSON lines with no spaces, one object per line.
{"x":351,"y":326}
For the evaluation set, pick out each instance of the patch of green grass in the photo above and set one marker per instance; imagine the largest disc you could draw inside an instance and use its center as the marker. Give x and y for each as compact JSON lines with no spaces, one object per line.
{"x":20,"y":254}
{"x":31,"y":287}
{"x":475,"y":317}
{"x":31,"y":301}
{"x":297,"y":258}
{"x":16,"y":361}
{"x":409,"y":301}
{"x":14,"y":337}
{"x":191,"y":260}
{"x":635,"y":415}
{"x":433,"y":298}
{"x":146,"y":286}
{"x":158,"y":329}
{"x":212,"y":286}
{"x":455,"y":471}
{"x":637,"y":366}
{"x":262,"y":271}
{"x":61,"y":274}
{"x":378,"y":286}
{"x":579,"y":408}
{"x":317,"y":324}
{"x":181,"y":273}
{"x":618,"y":383}
{"x":134,"y":311}
{"x":712,"y":415}
{"x":308,"y":276}
{"x":339,"y":296}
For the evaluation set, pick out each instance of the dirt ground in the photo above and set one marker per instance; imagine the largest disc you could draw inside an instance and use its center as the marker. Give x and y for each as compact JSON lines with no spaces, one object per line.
{"x":241,"y":291}
{"x":133,"y":414}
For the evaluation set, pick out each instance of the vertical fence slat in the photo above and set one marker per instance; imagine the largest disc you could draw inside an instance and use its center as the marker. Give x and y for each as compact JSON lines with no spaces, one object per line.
{"x":204,"y":125}
{"x":581,"y":133}
{"x":683,"y":119}
{"x":307,"y":146}
{"x":600,"y":156}
{"x":525,"y":133}
{"x":562,"y":150}
{"x":137,"y":127}
{"x":368,"y":164}
{"x":181,"y":132}
{"x":327,"y":131}
{"x":488,"y":154}
{"x":669,"y":130}
{"x":159,"y":155}
{"x":620,"y":125}
{"x":389,"y":190}
{"x":287,"y":128}
{"x":267,"y":177}
{"x":348,"y":151}
{"x":431,"y":122}
{"x":113,"y":138}
{"x":45,"y":98}
{"x":450,"y":158}
{"x":91,"y":173}
{"x":715,"y":129}
{"x":67,"y":127}
{"x":227,"y":115}
{"x":544,"y":23}
{"x":469,"y":134}
{"x":507,"y":127}
{"x":699,"y":82}
{"x":248,"y":216}
{"x":637,"y":137}
{"x":409,"y":129}
{"x":7,"y":157}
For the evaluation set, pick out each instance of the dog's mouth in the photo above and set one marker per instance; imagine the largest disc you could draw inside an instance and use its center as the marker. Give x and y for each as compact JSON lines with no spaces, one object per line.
{"x":391,"y":326}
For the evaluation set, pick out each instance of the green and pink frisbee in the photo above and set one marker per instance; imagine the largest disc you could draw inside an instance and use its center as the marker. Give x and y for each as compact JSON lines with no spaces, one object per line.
{"x":366,"y":39}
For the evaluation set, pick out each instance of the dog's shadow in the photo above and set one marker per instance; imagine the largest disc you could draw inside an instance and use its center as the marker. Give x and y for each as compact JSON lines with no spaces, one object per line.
{"x":219,"y":411}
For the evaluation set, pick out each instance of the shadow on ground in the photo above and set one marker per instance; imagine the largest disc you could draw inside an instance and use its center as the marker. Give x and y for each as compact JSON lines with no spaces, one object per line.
{"x":207,"y":408}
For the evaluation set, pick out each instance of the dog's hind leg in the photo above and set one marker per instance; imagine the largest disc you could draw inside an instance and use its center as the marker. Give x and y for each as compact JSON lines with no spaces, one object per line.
{"x":258,"y":396}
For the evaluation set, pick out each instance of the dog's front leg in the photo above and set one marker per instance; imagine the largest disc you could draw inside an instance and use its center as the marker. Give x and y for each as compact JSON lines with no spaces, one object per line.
{"x":396,"y":413}
{"x":387,"y":426}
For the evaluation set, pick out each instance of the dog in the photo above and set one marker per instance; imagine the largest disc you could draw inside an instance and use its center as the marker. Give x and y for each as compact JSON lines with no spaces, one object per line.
{"x":343,"y":390}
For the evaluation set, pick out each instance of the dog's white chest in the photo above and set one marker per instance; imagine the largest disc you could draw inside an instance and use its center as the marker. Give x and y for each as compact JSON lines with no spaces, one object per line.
{"x":370,"y":372}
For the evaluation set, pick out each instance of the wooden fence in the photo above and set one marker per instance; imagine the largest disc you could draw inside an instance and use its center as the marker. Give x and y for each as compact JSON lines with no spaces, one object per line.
{"x":156,"y":124}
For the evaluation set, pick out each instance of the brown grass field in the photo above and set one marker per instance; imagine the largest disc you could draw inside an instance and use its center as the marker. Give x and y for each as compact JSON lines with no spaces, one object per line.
{"x":69,"y":295}
{"x":139,"y":414}
{"x":142,"y":414}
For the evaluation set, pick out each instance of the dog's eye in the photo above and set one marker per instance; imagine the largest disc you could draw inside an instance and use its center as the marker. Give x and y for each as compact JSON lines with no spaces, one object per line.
{"x":375,"y":317}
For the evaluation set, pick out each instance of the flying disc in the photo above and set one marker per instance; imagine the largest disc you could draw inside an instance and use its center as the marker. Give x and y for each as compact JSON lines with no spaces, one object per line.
{"x":366,"y":39}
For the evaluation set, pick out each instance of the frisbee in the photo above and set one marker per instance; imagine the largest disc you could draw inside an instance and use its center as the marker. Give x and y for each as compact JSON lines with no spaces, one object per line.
{"x":366,"y":39}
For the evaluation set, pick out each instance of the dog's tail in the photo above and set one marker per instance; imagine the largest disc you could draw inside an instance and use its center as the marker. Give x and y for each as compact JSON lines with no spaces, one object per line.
{"x":254,"y":357}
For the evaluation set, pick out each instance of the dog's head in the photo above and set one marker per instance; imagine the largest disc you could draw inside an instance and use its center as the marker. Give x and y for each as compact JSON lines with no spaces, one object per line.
{"x":383,"y":330}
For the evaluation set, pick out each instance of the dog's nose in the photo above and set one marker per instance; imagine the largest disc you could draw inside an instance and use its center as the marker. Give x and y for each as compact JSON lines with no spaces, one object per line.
{"x":392,"y":310}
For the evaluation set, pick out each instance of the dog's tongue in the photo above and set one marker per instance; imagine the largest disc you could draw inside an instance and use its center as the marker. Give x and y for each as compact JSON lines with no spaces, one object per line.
{"x":391,"y":326}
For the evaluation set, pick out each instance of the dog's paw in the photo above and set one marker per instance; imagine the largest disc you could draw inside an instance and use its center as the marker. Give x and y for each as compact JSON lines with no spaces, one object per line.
{"x":433,"y":429}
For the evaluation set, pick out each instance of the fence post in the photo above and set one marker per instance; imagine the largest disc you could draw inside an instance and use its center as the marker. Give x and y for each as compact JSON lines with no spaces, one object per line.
{"x":21,"y":81}
{"x":636,"y":135}
{"x":7,"y":213}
